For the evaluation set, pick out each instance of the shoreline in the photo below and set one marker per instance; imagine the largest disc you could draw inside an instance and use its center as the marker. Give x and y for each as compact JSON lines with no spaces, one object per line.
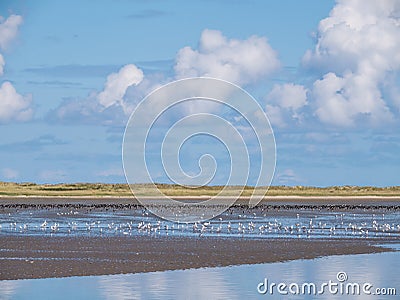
{"x":27,"y":257}
{"x":30,"y":256}
{"x":205,"y":197}
{"x":90,"y":200}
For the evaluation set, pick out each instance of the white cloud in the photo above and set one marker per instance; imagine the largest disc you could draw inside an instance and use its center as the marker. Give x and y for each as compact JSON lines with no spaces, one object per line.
{"x":9,"y":29}
{"x":238,"y":61}
{"x":10,"y":173}
{"x":117,"y":84}
{"x":289,"y":95}
{"x":358,"y":34}
{"x":275,"y":116}
{"x":14,"y":106}
{"x":357,"y":49}
{"x":342,"y":100}
{"x":284,"y":103}
{"x":123,"y":90}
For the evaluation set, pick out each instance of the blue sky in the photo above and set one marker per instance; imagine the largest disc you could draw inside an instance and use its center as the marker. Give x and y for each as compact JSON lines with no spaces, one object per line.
{"x":327,"y":76}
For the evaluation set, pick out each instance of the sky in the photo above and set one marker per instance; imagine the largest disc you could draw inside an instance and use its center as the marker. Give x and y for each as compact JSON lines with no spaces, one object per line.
{"x":326,"y":73}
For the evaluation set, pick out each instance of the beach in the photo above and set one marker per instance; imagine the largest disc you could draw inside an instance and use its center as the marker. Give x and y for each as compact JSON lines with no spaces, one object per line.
{"x":43,"y":257}
{"x":44,"y":237}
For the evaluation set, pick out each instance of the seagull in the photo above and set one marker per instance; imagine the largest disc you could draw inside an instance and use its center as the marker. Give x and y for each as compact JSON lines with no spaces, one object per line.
{"x":54,"y":227}
{"x":203,"y":229}
{"x":44,"y":224}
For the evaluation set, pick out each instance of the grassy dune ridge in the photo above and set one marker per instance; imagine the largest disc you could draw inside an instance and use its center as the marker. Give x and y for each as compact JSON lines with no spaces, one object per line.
{"x":122,"y":190}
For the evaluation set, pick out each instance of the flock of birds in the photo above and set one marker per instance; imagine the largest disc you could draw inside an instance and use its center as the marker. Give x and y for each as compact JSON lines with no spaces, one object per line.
{"x":323,"y":224}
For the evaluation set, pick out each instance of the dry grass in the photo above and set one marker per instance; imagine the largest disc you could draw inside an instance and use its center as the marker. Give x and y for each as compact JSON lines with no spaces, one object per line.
{"x":101,"y":189}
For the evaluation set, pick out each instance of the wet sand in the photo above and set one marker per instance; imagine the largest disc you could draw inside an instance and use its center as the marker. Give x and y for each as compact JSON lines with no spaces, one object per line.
{"x":25,"y":257}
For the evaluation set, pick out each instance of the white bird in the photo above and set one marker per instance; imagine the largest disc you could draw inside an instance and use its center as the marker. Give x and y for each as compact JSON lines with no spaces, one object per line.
{"x":44,"y":224}
{"x":54,"y":227}
{"x":241,"y":228}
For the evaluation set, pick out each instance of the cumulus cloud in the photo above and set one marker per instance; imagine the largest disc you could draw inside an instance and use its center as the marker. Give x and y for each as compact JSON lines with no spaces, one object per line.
{"x":113,"y":105}
{"x":289,"y":95}
{"x":117,"y":84}
{"x":14,"y":106}
{"x":284,"y":103}
{"x":238,"y":61}
{"x":344,"y":100}
{"x":357,"y":48}
{"x":9,"y":29}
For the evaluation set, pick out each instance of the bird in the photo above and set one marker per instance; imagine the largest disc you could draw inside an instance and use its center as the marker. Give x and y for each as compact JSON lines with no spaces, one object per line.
{"x":54,"y":227}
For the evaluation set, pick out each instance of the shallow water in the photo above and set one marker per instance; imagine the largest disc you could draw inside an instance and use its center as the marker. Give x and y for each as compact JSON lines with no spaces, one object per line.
{"x":237,"y":282}
{"x":260,"y":223}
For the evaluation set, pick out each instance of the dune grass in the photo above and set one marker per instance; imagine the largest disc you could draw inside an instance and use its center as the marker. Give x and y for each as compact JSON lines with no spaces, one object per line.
{"x":122,"y":190}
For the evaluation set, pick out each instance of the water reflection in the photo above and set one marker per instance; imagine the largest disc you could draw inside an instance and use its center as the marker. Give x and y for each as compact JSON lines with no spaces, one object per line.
{"x":237,"y":282}
{"x":258,"y":222}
